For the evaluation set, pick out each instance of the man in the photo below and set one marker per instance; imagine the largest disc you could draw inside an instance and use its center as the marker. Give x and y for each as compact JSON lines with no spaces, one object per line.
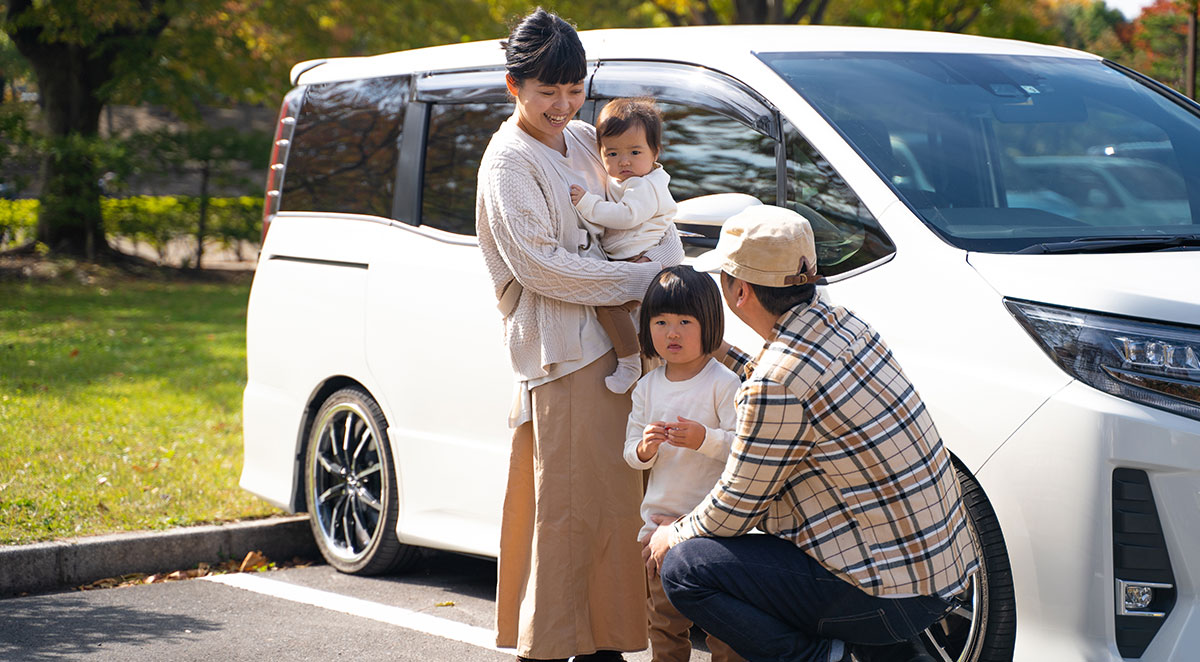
{"x":864,"y":540}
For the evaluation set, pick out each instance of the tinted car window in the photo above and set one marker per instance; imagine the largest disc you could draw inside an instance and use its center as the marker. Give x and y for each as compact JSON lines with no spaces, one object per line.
{"x":705,"y":152}
{"x":1003,"y":153}
{"x":847,"y":234}
{"x":458,"y":135}
{"x":345,"y":146}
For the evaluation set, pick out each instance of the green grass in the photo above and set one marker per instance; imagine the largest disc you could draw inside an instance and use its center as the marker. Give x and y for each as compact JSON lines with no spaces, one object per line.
{"x":120,"y":407}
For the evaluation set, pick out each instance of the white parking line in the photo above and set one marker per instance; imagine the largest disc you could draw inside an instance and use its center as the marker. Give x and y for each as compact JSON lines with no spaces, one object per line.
{"x":405,"y":618}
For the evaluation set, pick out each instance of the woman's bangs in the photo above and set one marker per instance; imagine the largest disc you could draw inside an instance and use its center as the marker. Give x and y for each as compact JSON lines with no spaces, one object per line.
{"x":561,"y":62}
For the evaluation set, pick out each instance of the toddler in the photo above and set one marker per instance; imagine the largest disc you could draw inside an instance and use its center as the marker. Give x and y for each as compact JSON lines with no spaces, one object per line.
{"x":640,"y":208}
{"x":681,"y":426}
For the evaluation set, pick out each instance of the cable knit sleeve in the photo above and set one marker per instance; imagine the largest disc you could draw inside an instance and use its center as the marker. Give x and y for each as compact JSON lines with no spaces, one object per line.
{"x":520,"y":221}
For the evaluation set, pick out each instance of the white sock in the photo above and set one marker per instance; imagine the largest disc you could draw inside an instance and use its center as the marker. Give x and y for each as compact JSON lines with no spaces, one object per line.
{"x":629,"y":368}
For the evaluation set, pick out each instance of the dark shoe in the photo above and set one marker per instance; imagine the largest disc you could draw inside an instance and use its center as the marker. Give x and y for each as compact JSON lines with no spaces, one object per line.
{"x":904,"y":651}
{"x":601,"y":656}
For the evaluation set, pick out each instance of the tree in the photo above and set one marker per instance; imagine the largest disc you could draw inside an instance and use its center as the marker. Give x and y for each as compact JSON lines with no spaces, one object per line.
{"x":1092,"y":26}
{"x":1014,"y":19}
{"x":711,"y":12}
{"x":207,"y":153}
{"x":1160,"y":41}
{"x":76,"y":50}
{"x":183,"y":53}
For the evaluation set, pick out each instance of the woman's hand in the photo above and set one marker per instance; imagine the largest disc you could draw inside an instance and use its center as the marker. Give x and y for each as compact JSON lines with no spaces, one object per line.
{"x":686,"y":434}
{"x":653,"y":436}
{"x":576,"y":194}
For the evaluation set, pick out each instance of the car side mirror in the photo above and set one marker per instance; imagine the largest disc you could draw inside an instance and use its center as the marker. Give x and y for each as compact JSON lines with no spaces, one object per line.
{"x":699,"y":219}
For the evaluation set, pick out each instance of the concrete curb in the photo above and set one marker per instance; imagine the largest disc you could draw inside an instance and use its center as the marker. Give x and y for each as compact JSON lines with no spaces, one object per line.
{"x":69,"y":563}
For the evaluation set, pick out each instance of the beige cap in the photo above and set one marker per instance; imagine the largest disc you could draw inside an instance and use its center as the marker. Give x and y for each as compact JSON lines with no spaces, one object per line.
{"x":764,"y":245}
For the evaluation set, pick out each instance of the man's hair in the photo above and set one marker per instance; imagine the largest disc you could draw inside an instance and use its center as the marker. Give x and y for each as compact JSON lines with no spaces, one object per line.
{"x":620,"y":115}
{"x":778,"y":300}
{"x":682,"y":290}
{"x":546,"y":48}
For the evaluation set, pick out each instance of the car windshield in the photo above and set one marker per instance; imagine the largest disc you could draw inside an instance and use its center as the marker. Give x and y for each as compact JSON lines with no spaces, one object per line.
{"x":998,"y":153}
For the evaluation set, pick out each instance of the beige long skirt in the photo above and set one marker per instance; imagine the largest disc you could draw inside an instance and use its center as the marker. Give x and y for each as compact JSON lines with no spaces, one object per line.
{"x":570,"y":577}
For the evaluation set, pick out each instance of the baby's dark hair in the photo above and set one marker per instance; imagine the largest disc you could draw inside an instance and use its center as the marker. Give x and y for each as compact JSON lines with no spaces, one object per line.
{"x":546,"y":48}
{"x":620,"y":115}
{"x":682,"y":290}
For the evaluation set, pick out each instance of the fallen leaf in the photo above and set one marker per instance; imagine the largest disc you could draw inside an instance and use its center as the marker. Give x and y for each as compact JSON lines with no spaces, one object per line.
{"x":448,"y":603}
{"x":74,"y":352}
{"x":102,"y":480}
{"x":142,"y":469}
{"x":253,"y":561}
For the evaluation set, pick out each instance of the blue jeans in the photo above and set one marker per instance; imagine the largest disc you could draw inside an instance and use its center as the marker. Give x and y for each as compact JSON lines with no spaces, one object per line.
{"x":769,"y":600}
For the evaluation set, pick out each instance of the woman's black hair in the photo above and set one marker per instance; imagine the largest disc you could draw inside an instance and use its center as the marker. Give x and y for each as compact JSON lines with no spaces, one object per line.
{"x":682,"y":290}
{"x":546,"y":48}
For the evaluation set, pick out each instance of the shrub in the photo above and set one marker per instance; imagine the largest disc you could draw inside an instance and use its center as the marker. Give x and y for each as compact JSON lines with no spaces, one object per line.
{"x":18,"y":221}
{"x":155,"y":220}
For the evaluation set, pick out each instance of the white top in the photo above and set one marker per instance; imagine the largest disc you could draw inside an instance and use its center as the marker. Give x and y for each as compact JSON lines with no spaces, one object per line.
{"x":680,"y":477}
{"x":637,"y":216}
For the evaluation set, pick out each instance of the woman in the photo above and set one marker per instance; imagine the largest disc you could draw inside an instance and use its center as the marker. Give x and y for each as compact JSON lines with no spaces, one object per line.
{"x":570,"y":574}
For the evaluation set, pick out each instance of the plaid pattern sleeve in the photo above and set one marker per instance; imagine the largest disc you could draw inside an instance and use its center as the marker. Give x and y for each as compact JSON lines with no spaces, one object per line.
{"x":836,"y":453}
{"x":738,"y":361}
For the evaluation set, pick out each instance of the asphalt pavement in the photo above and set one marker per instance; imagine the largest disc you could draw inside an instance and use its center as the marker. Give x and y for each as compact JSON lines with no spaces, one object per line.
{"x":440,"y":610}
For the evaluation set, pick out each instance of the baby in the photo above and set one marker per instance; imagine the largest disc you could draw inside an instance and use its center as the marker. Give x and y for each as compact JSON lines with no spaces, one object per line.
{"x":640,"y":209}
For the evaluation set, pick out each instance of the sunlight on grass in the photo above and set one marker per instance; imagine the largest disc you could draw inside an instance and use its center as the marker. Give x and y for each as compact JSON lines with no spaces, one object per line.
{"x":120,"y":408}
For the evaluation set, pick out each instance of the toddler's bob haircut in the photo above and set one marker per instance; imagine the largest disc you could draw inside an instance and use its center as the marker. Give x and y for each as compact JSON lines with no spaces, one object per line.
{"x":545,"y":48}
{"x":682,"y":290}
{"x":621,"y":115}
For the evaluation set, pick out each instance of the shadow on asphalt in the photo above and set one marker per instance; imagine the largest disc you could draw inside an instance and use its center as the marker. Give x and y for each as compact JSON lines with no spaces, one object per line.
{"x":466,"y":575}
{"x":61,"y":628}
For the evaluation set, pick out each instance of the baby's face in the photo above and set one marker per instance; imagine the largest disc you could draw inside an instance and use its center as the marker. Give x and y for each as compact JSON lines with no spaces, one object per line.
{"x":626,"y":155}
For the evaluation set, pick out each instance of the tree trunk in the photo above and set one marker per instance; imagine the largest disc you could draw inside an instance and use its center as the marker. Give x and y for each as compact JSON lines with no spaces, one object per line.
{"x":1190,"y":59}
{"x":69,"y":78}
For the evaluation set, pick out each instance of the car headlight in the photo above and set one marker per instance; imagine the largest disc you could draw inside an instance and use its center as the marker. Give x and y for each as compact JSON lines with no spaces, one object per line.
{"x":1148,"y":362}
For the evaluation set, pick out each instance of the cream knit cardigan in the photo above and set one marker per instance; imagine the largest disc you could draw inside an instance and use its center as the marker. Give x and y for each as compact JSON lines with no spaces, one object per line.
{"x":528,"y":229}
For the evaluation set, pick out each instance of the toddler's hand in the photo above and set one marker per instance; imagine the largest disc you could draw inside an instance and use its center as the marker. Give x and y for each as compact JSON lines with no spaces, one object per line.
{"x":653,"y":436}
{"x":576,"y":194}
{"x":686,"y":434}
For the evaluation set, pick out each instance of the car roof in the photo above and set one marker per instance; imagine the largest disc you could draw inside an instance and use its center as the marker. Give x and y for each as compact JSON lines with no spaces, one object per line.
{"x":716,"y":47}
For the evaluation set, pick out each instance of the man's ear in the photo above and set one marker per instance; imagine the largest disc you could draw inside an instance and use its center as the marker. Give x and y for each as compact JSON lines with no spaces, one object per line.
{"x":742,"y":293}
{"x":511,"y":84}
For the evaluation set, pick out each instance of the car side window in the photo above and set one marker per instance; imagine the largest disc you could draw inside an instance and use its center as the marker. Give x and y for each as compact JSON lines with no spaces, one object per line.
{"x":454,"y":145}
{"x":847,"y":234}
{"x":345,"y":147}
{"x":705,"y":152}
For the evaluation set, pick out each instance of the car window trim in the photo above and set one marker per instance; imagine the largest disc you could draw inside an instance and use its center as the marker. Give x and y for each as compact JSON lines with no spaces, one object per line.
{"x":410,"y":166}
{"x":657,"y":78}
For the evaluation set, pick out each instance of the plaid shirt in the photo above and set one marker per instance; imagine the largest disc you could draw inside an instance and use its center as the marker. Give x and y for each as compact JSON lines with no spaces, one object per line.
{"x":836,"y":452}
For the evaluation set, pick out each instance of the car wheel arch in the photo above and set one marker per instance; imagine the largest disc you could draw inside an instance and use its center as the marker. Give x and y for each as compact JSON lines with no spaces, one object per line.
{"x":308,"y":418}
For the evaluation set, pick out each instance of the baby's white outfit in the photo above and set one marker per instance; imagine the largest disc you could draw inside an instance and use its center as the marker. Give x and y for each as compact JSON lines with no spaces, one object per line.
{"x":635,"y":217}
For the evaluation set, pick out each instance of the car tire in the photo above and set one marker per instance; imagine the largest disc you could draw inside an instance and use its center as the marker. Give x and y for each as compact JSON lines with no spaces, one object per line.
{"x":984,"y":627}
{"x":350,"y":487}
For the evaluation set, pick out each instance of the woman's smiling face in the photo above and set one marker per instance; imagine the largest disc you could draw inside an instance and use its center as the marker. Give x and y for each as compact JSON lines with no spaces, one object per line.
{"x":543,"y":110}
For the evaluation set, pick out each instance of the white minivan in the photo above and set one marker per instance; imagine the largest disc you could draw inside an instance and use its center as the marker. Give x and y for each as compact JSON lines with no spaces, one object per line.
{"x":964,"y":193}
